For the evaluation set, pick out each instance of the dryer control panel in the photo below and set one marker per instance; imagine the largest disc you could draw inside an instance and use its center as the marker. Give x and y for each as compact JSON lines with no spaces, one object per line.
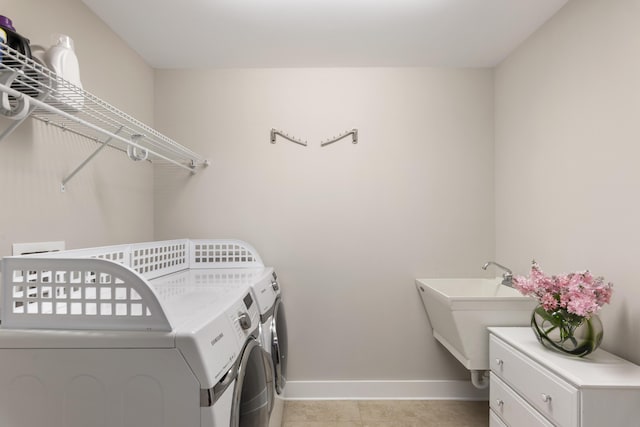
{"x":267,"y":290}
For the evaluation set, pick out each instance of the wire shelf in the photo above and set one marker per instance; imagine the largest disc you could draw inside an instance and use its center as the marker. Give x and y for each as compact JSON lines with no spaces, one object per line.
{"x":29,"y":89}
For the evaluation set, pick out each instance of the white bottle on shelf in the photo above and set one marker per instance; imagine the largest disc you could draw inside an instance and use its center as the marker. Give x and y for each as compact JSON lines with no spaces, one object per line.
{"x":62,"y":60}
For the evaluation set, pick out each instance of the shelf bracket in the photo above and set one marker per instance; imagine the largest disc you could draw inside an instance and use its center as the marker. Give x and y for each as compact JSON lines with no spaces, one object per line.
{"x":87,"y":160}
{"x":352,"y":132}
{"x":19,"y":120}
{"x":275,"y":132}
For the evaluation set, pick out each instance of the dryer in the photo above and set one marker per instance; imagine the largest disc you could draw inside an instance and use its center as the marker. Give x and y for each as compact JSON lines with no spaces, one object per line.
{"x":274,"y":336}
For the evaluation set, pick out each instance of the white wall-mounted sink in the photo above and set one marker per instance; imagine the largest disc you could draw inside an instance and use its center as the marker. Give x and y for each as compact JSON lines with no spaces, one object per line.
{"x":460,"y":310}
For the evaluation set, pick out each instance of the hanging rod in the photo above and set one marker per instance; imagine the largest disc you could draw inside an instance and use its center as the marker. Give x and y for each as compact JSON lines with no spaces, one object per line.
{"x":47,"y":107}
{"x":275,"y":132}
{"x":353,"y":132}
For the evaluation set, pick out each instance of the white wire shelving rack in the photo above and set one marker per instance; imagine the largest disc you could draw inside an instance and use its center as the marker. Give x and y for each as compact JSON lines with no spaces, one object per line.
{"x":29,"y":89}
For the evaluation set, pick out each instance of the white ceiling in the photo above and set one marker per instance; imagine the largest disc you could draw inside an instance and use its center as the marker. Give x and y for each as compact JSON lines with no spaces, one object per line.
{"x":324,"y":33}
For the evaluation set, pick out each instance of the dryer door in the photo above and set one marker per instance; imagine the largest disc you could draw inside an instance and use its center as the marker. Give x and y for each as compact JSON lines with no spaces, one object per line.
{"x":279,"y":345}
{"x":250,"y":406}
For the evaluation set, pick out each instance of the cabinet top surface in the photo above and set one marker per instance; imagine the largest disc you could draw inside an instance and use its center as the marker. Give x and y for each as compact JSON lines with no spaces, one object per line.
{"x":599,"y":369}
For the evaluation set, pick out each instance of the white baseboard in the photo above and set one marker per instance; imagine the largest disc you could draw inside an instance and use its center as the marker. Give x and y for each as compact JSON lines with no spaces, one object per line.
{"x":392,"y":390}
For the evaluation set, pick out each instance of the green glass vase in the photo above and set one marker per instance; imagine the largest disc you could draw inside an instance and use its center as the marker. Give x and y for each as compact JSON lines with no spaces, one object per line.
{"x":566,"y":332}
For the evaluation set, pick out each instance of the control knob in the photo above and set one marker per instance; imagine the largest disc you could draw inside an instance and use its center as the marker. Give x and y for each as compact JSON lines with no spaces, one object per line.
{"x":244,"y":320}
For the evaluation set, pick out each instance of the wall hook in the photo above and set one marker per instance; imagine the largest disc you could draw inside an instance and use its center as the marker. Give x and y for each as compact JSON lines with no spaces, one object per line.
{"x":352,"y":132}
{"x":132,"y":150}
{"x":275,"y":132}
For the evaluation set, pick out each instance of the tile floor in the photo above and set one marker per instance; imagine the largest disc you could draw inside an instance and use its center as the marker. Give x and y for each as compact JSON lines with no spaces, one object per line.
{"x":385,"y":413}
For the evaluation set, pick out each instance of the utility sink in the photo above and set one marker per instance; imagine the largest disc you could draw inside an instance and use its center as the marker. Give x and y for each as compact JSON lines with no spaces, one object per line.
{"x":460,"y":310}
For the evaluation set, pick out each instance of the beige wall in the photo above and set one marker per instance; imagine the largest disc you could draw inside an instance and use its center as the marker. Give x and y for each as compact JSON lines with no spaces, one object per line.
{"x":567,"y":149}
{"x":111,"y":200}
{"x":348,"y":226}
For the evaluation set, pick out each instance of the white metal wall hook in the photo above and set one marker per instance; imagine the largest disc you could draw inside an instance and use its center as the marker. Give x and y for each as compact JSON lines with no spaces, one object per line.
{"x":276,"y":132}
{"x":352,"y":132}
{"x":136,"y":155}
{"x":18,"y":111}
{"x":19,"y":108}
{"x":132,"y":150}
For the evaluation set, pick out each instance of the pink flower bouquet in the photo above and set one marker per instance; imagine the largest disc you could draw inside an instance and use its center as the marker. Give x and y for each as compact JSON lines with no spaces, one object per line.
{"x":578,"y":293}
{"x":565,"y":319}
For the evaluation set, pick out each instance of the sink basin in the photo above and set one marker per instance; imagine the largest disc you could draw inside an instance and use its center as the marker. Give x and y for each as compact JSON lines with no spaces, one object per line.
{"x":460,"y":310}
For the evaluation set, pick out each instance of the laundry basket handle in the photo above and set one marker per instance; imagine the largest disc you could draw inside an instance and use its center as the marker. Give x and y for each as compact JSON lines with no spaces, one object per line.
{"x":77,"y":293}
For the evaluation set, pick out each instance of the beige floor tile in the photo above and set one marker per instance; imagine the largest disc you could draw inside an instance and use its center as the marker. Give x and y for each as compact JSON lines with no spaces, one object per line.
{"x":457,"y":413}
{"x":384,"y":410}
{"x":381,"y":413}
{"x":424,"y":413}
{"x":321,"y":411}
{"x":322,"y":424}
{"x":407,"y":422}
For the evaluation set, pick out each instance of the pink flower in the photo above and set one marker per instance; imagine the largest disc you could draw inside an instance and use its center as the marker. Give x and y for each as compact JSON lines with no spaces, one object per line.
{"x":582,"y":304}
{"x":549,"y":302}
{"x":525,"y":285}
{"x":579,"y":293}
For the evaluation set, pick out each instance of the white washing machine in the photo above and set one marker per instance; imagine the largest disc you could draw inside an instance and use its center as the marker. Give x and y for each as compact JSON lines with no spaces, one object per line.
{"x":241,"y":398}
{"x":129,"y":335}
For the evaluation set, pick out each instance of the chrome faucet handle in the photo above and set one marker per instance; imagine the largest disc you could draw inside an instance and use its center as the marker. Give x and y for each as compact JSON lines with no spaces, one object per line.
{"x":507,"y":279}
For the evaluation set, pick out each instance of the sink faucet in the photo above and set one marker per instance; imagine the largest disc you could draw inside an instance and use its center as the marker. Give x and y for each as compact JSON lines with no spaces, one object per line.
{"x":507,"y":276}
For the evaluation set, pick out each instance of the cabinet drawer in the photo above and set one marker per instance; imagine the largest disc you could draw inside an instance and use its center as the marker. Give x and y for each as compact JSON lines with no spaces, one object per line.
{"x":494,"y":420}
{"x":512,"y":408}
{"x":553,"y":397}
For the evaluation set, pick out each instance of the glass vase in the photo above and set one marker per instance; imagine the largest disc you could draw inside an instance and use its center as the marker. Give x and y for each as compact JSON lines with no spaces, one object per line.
{"x":566,"y":332}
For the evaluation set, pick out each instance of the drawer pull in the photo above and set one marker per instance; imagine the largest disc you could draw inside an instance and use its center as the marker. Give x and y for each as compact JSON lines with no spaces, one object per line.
{"x":500,"y":402}
{"x":499,"y":362}
{"x":546,"y":398}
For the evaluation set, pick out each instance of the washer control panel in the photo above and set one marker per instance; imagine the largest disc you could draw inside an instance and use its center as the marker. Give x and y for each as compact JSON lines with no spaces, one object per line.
{"x":244,"y":316}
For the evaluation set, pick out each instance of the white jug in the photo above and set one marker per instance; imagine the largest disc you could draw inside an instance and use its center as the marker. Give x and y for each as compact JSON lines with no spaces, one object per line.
{"x":62,"y":60}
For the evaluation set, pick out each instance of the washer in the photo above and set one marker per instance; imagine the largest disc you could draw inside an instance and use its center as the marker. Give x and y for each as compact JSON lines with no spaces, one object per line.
{"x":242,"y":395}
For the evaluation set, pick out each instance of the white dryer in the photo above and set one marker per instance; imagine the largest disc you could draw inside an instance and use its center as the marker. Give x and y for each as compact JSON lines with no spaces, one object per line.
{"x":274,"y":336}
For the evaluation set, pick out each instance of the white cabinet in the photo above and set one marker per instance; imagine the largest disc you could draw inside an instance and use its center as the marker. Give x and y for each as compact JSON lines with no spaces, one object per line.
{"x":531,"y":386}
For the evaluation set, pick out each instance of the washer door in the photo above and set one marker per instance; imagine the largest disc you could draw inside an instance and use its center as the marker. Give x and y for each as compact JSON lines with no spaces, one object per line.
{"x":250,"y":406}
{"x":279,"y":345}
